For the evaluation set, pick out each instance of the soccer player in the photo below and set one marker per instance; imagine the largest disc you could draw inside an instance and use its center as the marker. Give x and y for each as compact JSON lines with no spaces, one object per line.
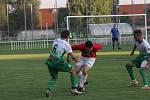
{"x":56,"y":62}
{"x":86,"y":61}
{"x":115,"y":34}
{"x":141,"y":61}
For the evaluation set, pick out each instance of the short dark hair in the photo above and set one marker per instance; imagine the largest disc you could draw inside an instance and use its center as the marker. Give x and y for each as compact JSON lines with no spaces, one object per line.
{"x":137,"y":32}
{"x":89,"y":44}
{"x":114,"y":24}
{"x":65,"y":34}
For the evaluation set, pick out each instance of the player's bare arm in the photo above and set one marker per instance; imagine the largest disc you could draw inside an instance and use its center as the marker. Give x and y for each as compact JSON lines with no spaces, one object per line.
{"x":132,"y":52}
{"x":148,"y":60}
{"x":72,"y":56}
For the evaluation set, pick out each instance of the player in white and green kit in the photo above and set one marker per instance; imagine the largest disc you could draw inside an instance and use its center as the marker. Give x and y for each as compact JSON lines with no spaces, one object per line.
{"x":141,"y":61}
{"x":56,"y":62}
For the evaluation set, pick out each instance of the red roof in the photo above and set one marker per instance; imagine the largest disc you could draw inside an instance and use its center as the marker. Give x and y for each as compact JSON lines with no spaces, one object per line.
{"x":131,"y":9}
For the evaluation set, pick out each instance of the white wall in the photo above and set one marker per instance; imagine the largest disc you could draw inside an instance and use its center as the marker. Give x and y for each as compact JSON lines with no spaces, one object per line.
{"x":37,"y":34}
{"x":52,"y":3}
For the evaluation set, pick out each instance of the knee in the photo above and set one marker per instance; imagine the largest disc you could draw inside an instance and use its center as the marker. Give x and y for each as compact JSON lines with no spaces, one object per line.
{"x":128,"y":65}
{"x":54,"y":78}
{"x":73,"y":70}
{"x":85,"y":72}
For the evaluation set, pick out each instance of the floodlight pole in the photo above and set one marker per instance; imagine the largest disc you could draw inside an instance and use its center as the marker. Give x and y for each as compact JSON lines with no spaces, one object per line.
{"x":132,"y":12}
{"x":56,"y":17}
{"x":146,"y":27}
{"x":145,"y":11}
{"x":145,"y":8}
{"x":32,"y":19}
{"x":86,"y":12}
{"x":8,"y":20}
{"x":25,"y":23}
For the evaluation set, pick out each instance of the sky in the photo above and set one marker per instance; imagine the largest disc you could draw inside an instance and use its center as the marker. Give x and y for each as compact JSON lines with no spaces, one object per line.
{"x":62,"y":3}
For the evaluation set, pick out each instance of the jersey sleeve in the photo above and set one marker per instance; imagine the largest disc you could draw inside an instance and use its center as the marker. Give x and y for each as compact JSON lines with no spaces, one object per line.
{"x":68,"y":48}
{"x":77,"y":47}
{"x":97,"y":46}
{"x":148,"y":49}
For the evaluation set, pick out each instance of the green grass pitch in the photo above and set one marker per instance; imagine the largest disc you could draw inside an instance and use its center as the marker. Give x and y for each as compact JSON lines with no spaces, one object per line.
{"x":25,"y":77}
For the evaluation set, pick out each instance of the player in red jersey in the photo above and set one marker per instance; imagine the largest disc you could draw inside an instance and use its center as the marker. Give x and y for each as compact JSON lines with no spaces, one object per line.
{"x":86,"y":60}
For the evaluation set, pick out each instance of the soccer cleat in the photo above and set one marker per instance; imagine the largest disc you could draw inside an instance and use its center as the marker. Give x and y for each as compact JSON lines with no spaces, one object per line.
{"x":81,"y":89}
{"x":47,"y":94}
{"x":75,"y":92}
{"x":119,"y":48}
{"x":86,"y":83}
{"x":134,"y":83}
{"x":146,"y":87}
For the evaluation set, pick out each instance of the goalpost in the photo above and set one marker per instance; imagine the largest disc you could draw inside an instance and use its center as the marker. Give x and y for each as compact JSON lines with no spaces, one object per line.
{"x":70,"y":20}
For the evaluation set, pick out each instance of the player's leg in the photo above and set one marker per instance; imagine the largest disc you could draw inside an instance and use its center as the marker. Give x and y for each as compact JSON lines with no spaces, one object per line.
{"x":76,"y":70}
{"x":118,"y":44}
{"x":54,"y":74}
{"x":113,"y":43}
{"x":74,"y":81}
{"x":134,"y":63}
{"x":78,"y":67}
{"x":129,"y":67}
{"x":73,"y":76}
{"x":80,"y":76}
{"x":143,"y":67}
{"x":89,"y":62}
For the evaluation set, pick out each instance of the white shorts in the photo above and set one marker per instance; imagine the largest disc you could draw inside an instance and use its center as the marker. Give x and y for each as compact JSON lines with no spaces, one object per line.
{"x":85,"y":61}
{"x":144,"y":64}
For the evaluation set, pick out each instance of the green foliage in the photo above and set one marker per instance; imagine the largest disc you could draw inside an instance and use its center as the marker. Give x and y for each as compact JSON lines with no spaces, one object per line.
{"x":88,"y":7}
{"x":16,"y":14}
{"x":3,"y":16}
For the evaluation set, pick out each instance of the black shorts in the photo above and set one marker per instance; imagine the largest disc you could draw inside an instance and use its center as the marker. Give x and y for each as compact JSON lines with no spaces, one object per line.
{"x":114,"y":39}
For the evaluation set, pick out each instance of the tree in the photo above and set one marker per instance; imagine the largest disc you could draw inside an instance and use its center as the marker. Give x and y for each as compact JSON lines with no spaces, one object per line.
{"x":17,"y":16}
{"x":3,"y":17}
{"x":89,"y":7}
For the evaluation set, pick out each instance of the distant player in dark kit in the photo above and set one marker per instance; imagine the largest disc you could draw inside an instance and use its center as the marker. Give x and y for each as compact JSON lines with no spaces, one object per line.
{"x":115,"y":34}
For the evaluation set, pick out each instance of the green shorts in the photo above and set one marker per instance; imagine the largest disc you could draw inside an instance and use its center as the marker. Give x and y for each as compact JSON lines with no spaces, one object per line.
{"x":59,"y":65}
{"x":138,"y":60}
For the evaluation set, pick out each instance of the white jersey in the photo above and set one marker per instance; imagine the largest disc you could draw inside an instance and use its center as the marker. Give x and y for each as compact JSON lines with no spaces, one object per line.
{"x":144,"y":47}
{"x":60,"y":47}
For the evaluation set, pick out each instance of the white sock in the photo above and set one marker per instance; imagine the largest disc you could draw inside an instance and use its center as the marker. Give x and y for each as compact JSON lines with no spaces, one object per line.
{"x":79,"y":78}
{"x":82,"y":79}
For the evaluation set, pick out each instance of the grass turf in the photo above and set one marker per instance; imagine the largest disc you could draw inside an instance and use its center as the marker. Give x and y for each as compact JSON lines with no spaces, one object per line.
{"x":26,"y":79}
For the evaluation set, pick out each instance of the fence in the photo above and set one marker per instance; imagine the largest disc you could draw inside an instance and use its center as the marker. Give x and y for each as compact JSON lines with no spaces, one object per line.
{"x":26,"y":45}
{"x":39,"y":44}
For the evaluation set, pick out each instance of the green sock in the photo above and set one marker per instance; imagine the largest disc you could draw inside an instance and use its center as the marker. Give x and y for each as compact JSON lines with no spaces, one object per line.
{"x":144,"y":77}
{"x":73,"y":80}
{"x":130,"y":71}
{"x":51,"y":84}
